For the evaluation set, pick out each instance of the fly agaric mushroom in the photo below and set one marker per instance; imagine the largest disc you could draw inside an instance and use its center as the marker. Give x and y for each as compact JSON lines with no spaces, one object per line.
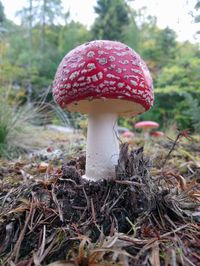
{"x":146,"y":126}
{"x":104,"y":79}
{"x":157,"y":134}
{"x":128,"y":134}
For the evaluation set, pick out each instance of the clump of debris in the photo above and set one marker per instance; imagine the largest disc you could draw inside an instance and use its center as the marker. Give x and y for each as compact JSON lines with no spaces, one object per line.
{"x":135,"y":219}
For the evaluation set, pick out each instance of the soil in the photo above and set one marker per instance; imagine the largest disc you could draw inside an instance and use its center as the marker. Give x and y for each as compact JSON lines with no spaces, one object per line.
{"x":138,"y":218}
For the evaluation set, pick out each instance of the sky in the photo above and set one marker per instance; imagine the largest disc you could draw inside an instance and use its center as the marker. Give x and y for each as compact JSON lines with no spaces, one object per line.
{"x":173,"y":13}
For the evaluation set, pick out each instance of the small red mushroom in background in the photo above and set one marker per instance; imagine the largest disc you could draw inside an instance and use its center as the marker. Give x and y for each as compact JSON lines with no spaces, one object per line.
{"x":146,"y":126}
{"x":104,"y":79}
{"x":157,"y":134}
{"x":128,"y":134}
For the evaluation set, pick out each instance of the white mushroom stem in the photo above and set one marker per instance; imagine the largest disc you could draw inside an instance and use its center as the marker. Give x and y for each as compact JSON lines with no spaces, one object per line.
{"x":102,"y":150}
{"x":146,"y":134}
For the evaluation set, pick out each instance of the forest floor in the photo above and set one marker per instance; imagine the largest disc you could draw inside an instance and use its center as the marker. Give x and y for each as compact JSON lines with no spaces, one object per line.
{"x":148,"y":215}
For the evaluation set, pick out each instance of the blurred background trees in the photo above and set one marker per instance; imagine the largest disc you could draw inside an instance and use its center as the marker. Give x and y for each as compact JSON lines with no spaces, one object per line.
{"x":112,"y":19}
{"x":197,"y":15}
{"x":30,"y":53}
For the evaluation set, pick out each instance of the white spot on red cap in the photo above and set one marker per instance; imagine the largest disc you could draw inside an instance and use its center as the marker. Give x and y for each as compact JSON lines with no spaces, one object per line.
{"x":119,"y":70}
{"x":94,"y":78}
{"x":102,"y":61}
{"x":74,"y":75}
{"x":111,"y":58}
{"x":91,"y":66}
{"x":100,"y":75}
{"x":90,"y":54}
{"x":120,"y":85}
{"x":81,"y":78}
{"x":111,"y":76}
{"x":133,"y":82}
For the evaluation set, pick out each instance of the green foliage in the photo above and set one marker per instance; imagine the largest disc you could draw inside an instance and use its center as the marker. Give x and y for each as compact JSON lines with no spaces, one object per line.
{"x":2,"y":15}
{"x":193,"y":111}
{"x":72,"y":35}
{"x":185,"y":72}
{"x":197,"y":17}
{"x":111,"y":21}
{"x":131,"y":33}
{"x":172,"y":76}
{"x":158,"y":47}
{"x":13,"y":125}
{"x":180,"y":76}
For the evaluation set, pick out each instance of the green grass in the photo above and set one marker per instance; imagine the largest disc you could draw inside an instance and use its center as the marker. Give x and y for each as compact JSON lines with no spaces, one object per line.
{"x":19,"y":131}
{"x":14,"y":123}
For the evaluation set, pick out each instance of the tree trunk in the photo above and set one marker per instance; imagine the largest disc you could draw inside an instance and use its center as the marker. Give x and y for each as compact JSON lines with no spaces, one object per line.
{"x":43,"y":26}
{"x":29,"y":86}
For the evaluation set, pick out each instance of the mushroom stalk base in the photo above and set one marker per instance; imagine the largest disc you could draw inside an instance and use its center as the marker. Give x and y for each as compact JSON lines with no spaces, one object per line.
{"x":102,"y":150}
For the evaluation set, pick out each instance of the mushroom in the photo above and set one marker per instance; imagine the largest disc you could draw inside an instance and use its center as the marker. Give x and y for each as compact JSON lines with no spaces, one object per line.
{"x":122,"y":130}
{"x":104,"y":79}
{"x":157,"y":134}
{"x":128,"y":134}
{"x":146,"y":126}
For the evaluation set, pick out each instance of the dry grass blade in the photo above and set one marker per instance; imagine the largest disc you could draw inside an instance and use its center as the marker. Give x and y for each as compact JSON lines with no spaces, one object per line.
{"x":110,"y":245}
{"x":83,"y":251}
{"x":179,"y":178}
{"x":62,"y":263}
{"x":57,"y":204}
{"x":8,"y":238}
{"x":155,"y":256}
{"x":42,"y":252}
{"x":15,"y":253}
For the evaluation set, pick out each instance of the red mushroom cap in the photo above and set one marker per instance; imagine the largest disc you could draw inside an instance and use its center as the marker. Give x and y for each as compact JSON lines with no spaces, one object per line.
{"x":146,"y":124}
{"x":103,"y":70}
{"x":128,"y":134}
{"x":157,"y":134}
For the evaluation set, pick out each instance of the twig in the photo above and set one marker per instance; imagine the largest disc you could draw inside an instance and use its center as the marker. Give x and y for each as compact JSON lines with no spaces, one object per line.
{"x":173,"y":257}
{"x":93,"y":211}
{"x":127,"y":182}
{"x":189,"y":262}
{"x":39,"y":256}
{"x":46,"y":251}
{"x":137,"y":240}
{"x":37,"y":221}
{"x":104,"y":203}
{"x":86,"y":197}
{"x":42,"y":247}
{"x":196,"y":256}
{"x":182,"y":133}
{"x":171,"y":150}
{"x":115,"y":202}
{"x":15,"y":253}
{"x":57,"y":204}
{"x":174,"y":231}
{"x":5,"y":198}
